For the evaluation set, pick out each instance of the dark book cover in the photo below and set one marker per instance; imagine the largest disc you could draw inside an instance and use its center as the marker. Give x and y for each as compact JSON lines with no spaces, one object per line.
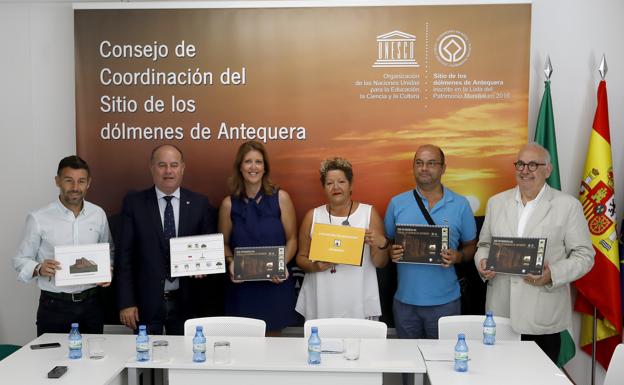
{"x":422,"y":243}
{"x":516,"y":255}
{"x":259,"y":263}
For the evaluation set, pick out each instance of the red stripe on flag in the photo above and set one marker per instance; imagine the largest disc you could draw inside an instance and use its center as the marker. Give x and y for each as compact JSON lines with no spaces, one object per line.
{"x":601,"y":119}
{"x":601,"y":287}
{"x":582,"y":305}
{"x":604,"y":349}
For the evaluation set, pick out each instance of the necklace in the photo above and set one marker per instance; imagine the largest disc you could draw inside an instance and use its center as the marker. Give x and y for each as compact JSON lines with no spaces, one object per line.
{"x":346,"y":221}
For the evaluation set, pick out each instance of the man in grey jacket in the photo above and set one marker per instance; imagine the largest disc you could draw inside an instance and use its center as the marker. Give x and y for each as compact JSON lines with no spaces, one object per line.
{"x":538,"y":305}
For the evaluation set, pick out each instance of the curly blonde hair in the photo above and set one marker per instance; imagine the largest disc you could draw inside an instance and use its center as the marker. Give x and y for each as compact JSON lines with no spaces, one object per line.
{"x":336,"y":163}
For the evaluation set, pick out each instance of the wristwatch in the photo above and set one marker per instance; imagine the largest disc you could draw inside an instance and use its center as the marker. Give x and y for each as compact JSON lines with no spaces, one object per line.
{"x":38,"y":269}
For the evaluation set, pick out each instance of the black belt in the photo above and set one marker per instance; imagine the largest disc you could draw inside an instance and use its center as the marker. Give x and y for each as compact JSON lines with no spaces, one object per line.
{"x":173,"y":294}
{"x":72,"y":297}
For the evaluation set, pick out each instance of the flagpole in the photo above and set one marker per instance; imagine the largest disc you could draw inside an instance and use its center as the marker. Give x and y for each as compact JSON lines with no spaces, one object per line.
{"x":594,"y":333}
{"x":603,"y":72}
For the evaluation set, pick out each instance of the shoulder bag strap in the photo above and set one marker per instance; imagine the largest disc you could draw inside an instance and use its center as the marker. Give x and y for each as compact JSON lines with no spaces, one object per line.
{"x":424,"y":211}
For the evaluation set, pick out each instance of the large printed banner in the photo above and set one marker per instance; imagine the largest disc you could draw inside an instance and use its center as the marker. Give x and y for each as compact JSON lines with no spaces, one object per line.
{"x":369,"y":83}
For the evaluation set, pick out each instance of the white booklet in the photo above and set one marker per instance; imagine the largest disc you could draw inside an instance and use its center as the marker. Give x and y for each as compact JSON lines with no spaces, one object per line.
{"x":197,"y":255}
{"x":83,"y":264}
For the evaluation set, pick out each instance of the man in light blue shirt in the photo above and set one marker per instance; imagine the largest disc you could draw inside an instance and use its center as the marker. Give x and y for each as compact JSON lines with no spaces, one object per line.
{"x":69,"y":220}
{"x":427,"y":292}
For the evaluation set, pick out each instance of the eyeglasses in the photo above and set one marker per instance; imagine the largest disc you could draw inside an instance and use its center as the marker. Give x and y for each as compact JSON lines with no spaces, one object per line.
{"x":531,"y":165}
{"x":429,"y":164}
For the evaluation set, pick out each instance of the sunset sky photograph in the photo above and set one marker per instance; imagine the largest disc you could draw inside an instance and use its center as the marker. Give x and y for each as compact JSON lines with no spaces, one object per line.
{"x":311,"y":69}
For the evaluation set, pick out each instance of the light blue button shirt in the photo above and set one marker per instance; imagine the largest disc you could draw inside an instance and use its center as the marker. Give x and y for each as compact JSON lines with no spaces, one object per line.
{"x":56,"y":225}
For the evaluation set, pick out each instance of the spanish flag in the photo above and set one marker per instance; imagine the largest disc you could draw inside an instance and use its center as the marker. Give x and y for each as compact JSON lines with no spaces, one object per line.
{"x":600,"y":287}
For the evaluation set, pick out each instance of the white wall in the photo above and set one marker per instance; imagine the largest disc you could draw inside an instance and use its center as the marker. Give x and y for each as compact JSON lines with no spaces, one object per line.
{"x":36,"y":130}
{"x":37,"y":116}
{"x":575,"y":33}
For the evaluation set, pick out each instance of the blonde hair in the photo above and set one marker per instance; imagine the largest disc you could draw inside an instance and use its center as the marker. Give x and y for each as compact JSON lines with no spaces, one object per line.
{"x":336,"y":163}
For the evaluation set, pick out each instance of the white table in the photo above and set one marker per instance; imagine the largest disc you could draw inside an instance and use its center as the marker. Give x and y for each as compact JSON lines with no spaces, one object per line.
{"x":31,"y":367}
{"x":277,"y":360}
{"x":507,"y":362}
{"x":284,"y":361}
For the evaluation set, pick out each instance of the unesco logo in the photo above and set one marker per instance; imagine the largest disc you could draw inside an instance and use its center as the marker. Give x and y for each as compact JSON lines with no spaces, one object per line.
{"x":395,"y":49}
{"x":452,"y":48}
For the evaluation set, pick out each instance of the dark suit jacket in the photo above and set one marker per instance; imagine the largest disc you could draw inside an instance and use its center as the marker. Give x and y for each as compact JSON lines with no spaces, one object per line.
{"x":141,"y":256}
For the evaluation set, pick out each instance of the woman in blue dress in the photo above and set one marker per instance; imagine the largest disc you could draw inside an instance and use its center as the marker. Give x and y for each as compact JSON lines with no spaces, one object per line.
{"x":258,"y":213}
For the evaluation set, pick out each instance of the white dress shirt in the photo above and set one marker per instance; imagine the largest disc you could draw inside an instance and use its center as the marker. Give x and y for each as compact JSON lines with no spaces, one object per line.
{"x":525,"y":211}
{"x":162,"y":204}
{"x":56,"y":225}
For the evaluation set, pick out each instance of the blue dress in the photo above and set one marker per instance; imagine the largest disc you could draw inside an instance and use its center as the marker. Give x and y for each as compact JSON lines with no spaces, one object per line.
{"x":260,"y":224}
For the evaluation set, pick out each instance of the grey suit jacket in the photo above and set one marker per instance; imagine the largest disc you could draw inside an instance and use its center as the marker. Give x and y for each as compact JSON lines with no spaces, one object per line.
{"x":569,"y":254}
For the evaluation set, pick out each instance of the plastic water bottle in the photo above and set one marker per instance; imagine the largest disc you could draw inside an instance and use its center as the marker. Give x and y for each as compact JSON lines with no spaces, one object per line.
{"x":142,"y":344}
{"x":314,"y":347}
{"x":489,"y":329}
{"x":75,"y":342}
{"x":461,"y":354}
{"x":199,"y":345}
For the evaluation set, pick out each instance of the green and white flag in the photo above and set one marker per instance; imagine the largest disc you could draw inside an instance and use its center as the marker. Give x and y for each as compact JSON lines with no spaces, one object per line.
{"x":545,"y":135}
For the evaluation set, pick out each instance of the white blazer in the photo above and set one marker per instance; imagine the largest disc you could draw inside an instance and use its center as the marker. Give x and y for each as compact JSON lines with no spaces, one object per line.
{"x":569,"y":254}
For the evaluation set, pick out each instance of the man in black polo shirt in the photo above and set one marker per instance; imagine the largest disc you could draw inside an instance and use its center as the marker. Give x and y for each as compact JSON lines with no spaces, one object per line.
{"x":69,"y":220}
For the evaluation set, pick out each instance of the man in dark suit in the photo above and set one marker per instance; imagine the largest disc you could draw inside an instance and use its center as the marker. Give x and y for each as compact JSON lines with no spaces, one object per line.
{"x":146,"y":293}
